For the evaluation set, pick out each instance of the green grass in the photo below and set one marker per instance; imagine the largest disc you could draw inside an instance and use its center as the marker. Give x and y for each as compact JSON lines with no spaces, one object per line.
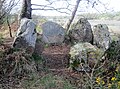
{"x":47,"y":81}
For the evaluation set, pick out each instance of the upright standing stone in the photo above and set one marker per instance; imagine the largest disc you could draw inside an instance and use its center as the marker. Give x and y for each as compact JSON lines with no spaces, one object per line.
{"x":26,"y":34}
{"x":52,"y":33}
{"x":81,"y":32}
{"x":101,"y":36}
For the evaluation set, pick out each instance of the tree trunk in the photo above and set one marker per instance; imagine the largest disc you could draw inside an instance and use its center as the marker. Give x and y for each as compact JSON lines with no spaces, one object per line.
{"x":73,"y":15}
{"x":26,"y":9}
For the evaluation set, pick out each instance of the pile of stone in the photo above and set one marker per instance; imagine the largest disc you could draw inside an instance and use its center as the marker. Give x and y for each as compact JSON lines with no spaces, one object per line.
{"x":88,"y":45}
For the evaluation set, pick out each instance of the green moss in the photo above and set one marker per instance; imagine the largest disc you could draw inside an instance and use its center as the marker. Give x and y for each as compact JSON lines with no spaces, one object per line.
{"x":38,"y":29}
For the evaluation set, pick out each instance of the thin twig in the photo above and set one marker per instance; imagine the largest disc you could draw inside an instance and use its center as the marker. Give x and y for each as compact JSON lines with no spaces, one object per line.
{"x":10,"y":31}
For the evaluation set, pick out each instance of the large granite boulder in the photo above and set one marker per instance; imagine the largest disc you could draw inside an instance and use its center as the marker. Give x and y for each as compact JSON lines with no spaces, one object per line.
{"x":101,"y":36}
{"x":84,"y":55}
{"x":26,"y":35}
{"x":81,"y":32}
{"x":52,"y":33}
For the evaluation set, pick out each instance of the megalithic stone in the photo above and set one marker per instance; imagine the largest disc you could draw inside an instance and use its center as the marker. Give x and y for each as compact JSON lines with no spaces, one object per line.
{"x":81,"y":32}
{"x":26,"y":34}
{"x":102,"y":37}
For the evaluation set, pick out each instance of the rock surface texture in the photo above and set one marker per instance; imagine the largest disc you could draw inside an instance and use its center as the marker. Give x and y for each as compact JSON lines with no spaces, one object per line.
{"x":84,"y":55}
{"x":101,"y":36}
{"x":81,"y":32}
{"x":26,"y":34}
{"x":52,"y":33}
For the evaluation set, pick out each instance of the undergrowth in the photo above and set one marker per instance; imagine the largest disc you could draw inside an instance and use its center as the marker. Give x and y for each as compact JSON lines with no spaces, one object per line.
{"x":1,"y":39}
{"x":25,"y":71}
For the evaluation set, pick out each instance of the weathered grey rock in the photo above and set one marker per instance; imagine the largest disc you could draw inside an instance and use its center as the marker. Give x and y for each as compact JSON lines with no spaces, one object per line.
{"x":52,"y":33}
{"x":26,"y":34}
{"x":84,"y":54}
{"x":101,"y":36}
{"x":81,"y":32}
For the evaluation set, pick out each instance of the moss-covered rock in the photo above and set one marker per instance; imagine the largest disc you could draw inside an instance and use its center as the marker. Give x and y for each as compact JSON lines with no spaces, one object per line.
{"x":84,"y":55}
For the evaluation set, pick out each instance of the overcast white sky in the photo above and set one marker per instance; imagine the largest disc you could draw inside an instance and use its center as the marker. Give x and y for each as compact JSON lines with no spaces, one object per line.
{"x":83,"y":7}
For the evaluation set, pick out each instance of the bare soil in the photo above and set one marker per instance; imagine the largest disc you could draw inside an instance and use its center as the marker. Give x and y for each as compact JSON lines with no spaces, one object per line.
{"x":57,"y":57}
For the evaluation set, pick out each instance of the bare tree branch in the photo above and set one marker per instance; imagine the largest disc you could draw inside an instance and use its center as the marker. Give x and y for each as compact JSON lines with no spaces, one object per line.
{"x":73,"y":15}
{"x":5,"y":9}
{"x":47,"y":7}
{"x":51,"y":9}
{"x":10,"y":30}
